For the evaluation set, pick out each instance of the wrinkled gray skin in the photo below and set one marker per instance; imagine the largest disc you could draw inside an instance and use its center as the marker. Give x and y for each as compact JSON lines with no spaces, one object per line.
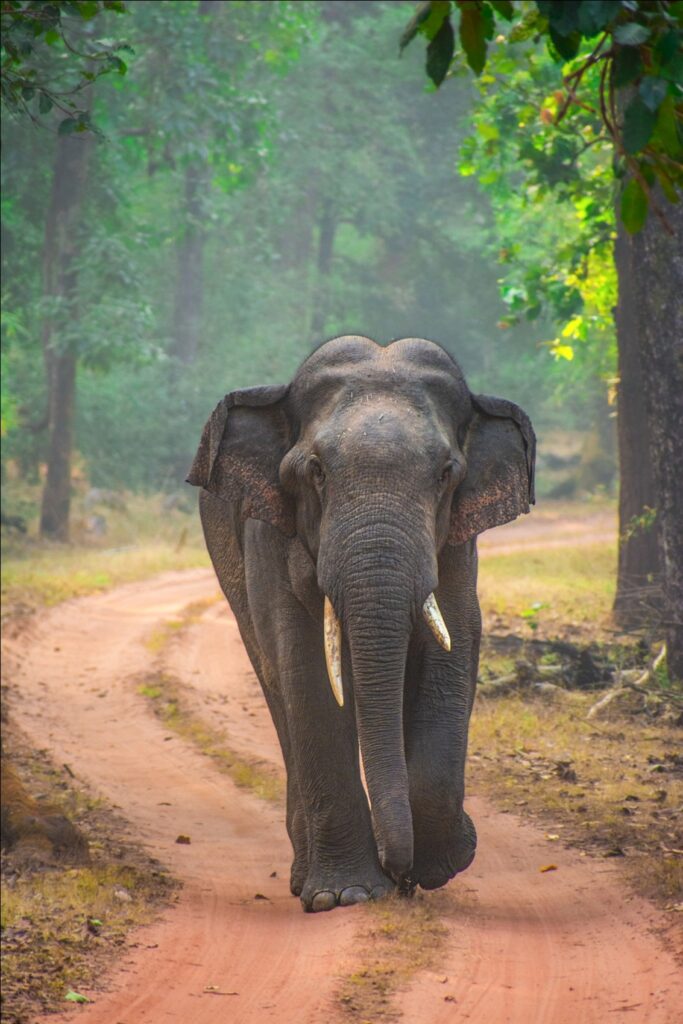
{"x":367,"y":480}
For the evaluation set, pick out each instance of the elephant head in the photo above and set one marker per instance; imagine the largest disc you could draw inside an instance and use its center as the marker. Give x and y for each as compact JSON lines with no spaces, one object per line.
{"x":376,"y":458}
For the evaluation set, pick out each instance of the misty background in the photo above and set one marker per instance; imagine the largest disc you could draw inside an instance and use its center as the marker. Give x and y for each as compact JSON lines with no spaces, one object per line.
{"x":266,"y":176}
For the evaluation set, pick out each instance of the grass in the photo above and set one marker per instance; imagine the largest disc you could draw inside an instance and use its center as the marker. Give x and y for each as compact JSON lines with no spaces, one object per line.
{"x":574,"y":586}
{"x":142,"y":539}
{"x":62,"y":925}
{"x":398,"y":938}
{"x":165,"y":694}
{"x":613,"y":788}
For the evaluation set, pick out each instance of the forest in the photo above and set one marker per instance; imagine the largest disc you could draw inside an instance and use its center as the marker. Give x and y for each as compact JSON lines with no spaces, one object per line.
{"x":196,"y":195}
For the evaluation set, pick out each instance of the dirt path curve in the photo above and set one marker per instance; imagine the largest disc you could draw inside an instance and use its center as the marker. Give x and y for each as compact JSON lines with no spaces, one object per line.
{"x":566,"y":947}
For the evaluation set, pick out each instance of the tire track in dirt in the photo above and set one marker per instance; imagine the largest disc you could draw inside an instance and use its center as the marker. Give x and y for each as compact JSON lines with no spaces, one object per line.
{"x":566,"y":947}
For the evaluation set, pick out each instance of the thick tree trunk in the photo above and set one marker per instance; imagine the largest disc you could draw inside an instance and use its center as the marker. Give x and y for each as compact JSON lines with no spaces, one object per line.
{"x":658,"y":265}
{"x":327,"y":230}
{"x":60,"y":286}
{"x":637,"y":596}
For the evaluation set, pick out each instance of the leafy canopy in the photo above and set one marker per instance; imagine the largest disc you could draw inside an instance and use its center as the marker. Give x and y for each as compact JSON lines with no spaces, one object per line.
{"x":636,"y":47}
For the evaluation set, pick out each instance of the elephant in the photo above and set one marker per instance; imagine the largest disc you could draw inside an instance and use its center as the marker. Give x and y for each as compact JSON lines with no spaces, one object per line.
{"x":341,"y":512}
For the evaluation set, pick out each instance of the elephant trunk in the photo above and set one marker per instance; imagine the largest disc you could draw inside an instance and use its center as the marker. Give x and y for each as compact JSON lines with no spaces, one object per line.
{"x":377,"y":582}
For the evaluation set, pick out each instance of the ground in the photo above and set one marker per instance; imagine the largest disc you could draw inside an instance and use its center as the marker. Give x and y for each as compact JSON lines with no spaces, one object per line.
{"x":145,"y":692}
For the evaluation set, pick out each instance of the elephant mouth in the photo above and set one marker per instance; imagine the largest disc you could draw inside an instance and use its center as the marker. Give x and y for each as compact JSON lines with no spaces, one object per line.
{"x":332,"y":635}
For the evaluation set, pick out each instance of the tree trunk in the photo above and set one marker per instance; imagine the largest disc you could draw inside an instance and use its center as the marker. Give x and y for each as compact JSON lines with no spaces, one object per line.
{"x":60,"y":287}
{"x":327,"y":231}
{"x":189,"y":291}
{"x":638,"y":572}
{"x":658,"y":266}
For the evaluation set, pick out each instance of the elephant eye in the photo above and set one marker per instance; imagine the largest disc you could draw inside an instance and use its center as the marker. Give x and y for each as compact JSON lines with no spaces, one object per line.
{"x":316,"y":470}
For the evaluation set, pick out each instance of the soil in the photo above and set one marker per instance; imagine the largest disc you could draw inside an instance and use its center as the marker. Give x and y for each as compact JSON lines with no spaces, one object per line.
{"x":562,"y":946}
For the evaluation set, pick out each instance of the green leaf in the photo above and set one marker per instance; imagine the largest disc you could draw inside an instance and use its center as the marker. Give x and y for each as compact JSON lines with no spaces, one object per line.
{"x":631,"y":34}
{"x":504,"y":8}
{"x":633,"y":206}
{"x":68,"y":126}
{"x":44,"y":103}
{"x":667,"y":46}
{"x":627,"y":65}
{"x":594,"y":15}
{"x":440,"y":53}
{"x":566,"y":46}
{"x":639,"y":123}
{"x":652,"y":91}
{"x":75,"y":997}
{"x":473,"y":36}
{"x":666,"y":130}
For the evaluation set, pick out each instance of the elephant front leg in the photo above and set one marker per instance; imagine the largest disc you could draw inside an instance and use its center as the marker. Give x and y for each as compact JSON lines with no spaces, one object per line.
{"x":436,"y":726}
{"x":343,"y":866}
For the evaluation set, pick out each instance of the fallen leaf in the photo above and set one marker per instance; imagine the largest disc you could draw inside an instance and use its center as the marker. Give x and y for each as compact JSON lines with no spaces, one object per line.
{"x":548,"y":867}
{"x":273,"y":874}
{"x":183,"y":840}
{"x":552,"y":836}
{"x":75,"y":997}
{"x":260,"y":896}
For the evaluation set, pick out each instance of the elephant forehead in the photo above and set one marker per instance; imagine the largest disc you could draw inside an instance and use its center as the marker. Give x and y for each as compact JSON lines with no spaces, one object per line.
{"x":354,"y":369}
{"x":382,"y":429}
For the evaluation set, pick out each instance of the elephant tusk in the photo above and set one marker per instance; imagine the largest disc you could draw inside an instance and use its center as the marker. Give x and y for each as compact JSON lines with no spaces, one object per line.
{"x":434,"y":620}
{"x":333,"y":647}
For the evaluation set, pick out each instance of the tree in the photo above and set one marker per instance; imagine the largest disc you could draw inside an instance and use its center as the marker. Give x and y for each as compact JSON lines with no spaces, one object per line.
{"x":634,"y":47}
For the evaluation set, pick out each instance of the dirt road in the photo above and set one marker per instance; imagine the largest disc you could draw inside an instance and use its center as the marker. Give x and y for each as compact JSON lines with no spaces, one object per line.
{"x":564,"y":947}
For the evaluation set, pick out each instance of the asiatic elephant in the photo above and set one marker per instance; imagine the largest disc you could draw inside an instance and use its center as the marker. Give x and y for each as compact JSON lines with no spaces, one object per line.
{"x":341,"y":513}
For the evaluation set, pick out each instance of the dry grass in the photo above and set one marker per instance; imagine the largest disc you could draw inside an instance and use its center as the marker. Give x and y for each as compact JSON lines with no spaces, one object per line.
{"x":573,"y":585}
{"x":142,"y":540}
{"x":62,"y":925}
{"x":614,"y":787}
{"x":165,"y":694}
{"x":398,"y":938}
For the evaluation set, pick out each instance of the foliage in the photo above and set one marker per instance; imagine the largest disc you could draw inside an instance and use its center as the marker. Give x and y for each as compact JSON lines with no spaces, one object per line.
{"x":50,"y":57}
{"x":635,"y":44}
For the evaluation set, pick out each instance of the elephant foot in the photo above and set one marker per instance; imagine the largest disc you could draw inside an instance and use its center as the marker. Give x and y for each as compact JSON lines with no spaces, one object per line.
{"x":343,"y":887}
{"x":436,"y":863}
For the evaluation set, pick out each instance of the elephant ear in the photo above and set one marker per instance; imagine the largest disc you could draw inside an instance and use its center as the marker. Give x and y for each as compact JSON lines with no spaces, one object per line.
{"x":238,"y":459}
{"x":499,"y":486}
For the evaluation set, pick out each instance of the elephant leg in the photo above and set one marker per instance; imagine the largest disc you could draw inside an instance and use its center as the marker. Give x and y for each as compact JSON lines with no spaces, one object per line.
{"x":297,"y":829}
{"x":343,"y":865}
{"x":436,"y":724}
{"x":326,"y":797}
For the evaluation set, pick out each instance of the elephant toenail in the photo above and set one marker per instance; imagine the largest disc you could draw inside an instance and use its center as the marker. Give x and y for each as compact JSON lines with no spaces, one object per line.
{"x":379,"y":892}
{"x":324,"y":900}
{"x":354,"y":894}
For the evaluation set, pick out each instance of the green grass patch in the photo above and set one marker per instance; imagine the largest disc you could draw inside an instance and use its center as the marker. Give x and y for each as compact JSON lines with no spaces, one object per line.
{"x":165,"y":694}
{"x":573,"y":587}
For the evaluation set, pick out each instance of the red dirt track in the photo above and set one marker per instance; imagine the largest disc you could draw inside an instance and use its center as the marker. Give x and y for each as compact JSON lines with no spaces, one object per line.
{"x":567,"y":947}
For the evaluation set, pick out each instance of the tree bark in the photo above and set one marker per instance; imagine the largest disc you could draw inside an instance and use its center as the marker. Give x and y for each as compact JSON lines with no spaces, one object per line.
{"x":658,"y":265}
{"x":638,"y":582}
{"x":60,"y":277}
